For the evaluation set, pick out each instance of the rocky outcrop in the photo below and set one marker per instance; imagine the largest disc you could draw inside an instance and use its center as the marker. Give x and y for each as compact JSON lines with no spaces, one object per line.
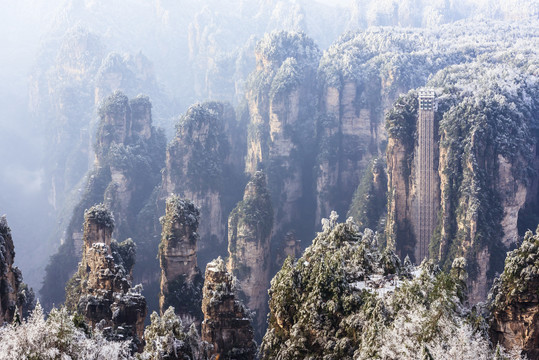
{"x":16,"y":299}
{"x":514,"y":300}
{"x":101,"y":289}
{"x":201,"y":165}
{"x":181,"y":280}
{"x":72,"y":77}
{"x":129,"y":154}
{"x":226,"y":325}
{"x":249,"y":233}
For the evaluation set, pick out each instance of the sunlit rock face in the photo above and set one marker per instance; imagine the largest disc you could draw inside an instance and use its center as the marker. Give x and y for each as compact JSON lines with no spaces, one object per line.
{"x":203,"y":165}
{"x":249,"y":233}
{"x":181,"y":280}
{"x":226,"y":325}
{"x":514,"y":300}
{"x":16,"y":299}
{"x":101,"y":289}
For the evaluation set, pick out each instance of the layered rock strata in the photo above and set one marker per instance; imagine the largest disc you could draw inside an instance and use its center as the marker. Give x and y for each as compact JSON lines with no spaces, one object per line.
{"x":181,"y":280}
{"x":226,"y":325}
{"x":249,"y":233}
{"x":101,"y":290}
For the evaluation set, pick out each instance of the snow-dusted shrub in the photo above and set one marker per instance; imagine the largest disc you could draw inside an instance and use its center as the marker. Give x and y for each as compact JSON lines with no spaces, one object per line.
{"x":166,"y":339}
{"x":57,"y":337}
{"x":521,"y":272}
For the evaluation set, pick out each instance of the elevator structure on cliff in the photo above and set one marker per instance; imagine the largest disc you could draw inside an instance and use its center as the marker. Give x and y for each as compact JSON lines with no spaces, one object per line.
{"x":426,"y":175}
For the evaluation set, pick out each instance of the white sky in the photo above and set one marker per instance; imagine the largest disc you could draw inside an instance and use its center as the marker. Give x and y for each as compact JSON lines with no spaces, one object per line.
{"x":342,"y":3}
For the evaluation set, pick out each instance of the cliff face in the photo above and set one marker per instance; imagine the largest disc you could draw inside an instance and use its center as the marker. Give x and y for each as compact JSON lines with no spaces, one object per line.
{"x":16,"y":299}
{"x":129,"y":154}
{"x":249,"y":233}
{"x":515,"y":327}
{"x":226,"y":325}
{"x":355,"y":92}
{"x":101,"y":289}
{"x":514,"y":300}
{"x":282,"y":98}
{"x":201,"y":165}
{"x":181,"y":280}
{"x":401,"y":170}
{"x":351,"y":116}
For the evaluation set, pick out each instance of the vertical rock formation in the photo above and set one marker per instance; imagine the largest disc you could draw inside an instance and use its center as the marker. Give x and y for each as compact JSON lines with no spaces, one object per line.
{"x":127,"y":73}
{"x":249,"y":233}
{"x":401,"y":176}
{"x":72,"y":76}
{"x":226,"y":325}
{"x":282,"y":99}
{"x":181,"y":280}
{"x":129,"y":154}
{"x":101,"y":290}
{"x":514,"y":300}
{"x":202,"y":164}
{"x":15,"y":296}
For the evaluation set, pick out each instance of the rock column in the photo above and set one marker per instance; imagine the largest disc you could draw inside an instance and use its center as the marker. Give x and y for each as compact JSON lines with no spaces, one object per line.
{"x":249,"y":233}
{"x":100,"y":290}
{"x":226,"y":325}
{"x":181,"y":280}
